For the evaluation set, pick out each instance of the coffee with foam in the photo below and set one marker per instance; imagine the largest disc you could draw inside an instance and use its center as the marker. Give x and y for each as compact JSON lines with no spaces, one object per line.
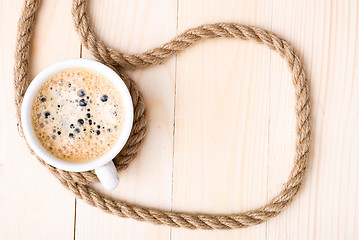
{"x":77,"y":115}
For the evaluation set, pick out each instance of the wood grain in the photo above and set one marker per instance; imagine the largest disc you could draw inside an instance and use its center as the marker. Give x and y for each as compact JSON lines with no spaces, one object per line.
{"x":221,"y":136}
{"x":33,"y":203}
{"x":221,"y":121}
{"x":148,"y":180}
{"x":326,"y":34}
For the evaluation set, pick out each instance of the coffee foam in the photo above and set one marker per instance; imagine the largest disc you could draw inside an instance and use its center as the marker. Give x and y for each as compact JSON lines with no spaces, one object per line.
{"x":77,"y":114}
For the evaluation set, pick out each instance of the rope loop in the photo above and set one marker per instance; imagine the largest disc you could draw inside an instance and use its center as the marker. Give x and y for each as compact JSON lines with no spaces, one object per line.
{"x":79,"y":183}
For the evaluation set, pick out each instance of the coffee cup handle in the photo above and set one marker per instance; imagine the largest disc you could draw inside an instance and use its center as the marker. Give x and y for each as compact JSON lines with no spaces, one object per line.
{"x":108,"y":175}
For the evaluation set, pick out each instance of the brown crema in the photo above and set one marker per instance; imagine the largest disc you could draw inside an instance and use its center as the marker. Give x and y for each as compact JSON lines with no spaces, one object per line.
{"x":77,"y":114}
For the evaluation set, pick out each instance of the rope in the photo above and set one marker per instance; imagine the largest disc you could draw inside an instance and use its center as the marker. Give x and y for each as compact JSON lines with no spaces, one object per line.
{"x":79,"y":183}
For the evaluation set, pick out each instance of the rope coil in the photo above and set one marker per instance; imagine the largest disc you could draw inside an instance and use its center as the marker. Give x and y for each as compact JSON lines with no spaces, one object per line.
{"x":78,"y":182}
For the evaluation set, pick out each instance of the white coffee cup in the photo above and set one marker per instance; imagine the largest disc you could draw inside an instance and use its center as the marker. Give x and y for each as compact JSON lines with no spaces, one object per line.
{"x":103,"y":166}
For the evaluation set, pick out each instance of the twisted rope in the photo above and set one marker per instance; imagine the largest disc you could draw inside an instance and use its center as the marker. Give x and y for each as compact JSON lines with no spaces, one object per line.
{"x":78,"y":183}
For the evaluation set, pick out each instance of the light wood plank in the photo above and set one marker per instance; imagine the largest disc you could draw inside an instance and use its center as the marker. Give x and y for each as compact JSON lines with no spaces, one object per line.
{"x":135,"y":26}
{"x":34,"y":205}
{"x":326,"y":34}
{"x":221,"y":135}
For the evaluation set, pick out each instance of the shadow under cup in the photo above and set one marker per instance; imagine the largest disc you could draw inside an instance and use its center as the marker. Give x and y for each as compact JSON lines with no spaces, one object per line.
{"x":102,"y":164}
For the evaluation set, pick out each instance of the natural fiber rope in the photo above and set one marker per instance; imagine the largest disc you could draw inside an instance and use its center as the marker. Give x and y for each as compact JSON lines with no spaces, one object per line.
{"x":78,"y":183}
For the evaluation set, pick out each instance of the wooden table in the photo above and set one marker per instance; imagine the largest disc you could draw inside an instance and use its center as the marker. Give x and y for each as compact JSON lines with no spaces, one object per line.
{"x":221,"y":121}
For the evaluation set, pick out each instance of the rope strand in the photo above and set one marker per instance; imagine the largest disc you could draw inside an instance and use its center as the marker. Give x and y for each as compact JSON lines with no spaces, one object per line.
{"x":79,"y":183}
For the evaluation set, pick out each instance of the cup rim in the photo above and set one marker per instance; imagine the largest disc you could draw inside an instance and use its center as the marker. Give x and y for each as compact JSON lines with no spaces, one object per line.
{"x":27,"y":103}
